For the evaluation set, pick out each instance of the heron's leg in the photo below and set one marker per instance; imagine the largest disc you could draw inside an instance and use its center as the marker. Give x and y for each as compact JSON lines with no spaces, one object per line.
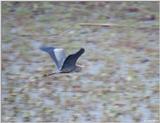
{"x":46,"y":75}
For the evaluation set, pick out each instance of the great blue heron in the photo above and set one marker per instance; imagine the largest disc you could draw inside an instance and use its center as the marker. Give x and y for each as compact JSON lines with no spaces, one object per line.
{"x":63,"y":64}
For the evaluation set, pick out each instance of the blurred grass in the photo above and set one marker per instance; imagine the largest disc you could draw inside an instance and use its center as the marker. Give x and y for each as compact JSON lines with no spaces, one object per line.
{"x":57,"y":24}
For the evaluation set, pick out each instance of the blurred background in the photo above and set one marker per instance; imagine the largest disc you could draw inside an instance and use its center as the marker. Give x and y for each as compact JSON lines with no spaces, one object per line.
{"x":120,"y":80}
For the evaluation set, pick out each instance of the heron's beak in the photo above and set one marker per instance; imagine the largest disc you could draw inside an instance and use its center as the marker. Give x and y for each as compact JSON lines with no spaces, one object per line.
{"x":81,"y":66}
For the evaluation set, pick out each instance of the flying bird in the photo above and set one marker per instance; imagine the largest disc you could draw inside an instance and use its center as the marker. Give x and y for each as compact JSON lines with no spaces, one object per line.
{"x":63,"y":64}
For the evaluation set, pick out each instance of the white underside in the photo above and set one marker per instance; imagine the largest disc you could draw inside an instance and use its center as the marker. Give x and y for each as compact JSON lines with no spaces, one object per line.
{"x":60,"y":56}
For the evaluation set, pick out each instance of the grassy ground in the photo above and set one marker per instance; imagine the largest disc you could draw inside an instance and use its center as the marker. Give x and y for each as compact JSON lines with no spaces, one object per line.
{"x":120,"y":80}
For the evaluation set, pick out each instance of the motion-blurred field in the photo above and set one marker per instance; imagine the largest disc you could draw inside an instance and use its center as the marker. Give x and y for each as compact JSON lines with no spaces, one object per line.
{"x":120,"y":81}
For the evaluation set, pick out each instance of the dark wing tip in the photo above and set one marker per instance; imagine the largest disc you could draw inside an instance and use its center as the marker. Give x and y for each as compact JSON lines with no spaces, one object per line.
{"x":44,"y":48}
{"x":82,"y":50}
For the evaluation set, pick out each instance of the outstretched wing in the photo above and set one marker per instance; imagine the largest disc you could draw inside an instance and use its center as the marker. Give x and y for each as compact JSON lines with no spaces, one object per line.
{"x":70,"y":62}
{"x":50,"y":51}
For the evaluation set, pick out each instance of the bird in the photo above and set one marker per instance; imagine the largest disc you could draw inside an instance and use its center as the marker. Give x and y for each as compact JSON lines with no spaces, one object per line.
{"x":63,"y":64}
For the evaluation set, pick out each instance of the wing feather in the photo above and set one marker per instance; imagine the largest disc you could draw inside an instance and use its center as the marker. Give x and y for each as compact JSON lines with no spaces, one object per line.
{"x":50,"y":50}
{"x":70,"y":62}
